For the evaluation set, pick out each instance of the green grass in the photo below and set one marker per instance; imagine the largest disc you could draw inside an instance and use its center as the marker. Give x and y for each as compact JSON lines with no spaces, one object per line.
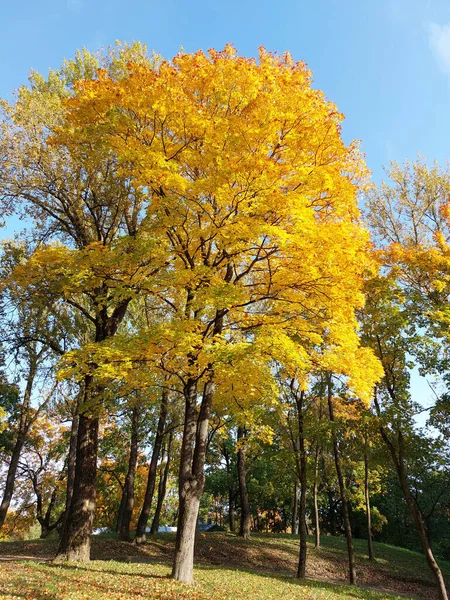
{"x":227,"y":568}
{"x":103,"y":580}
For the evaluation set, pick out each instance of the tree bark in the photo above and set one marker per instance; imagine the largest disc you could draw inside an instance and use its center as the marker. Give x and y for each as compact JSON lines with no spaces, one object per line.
{"x":398,"y":460}
{"x":121,"y":510}
{"x":315,"y":500}
{"x":165,"y":468}
{"x":24,"y":424}
{"x":345,"y":511}
{"x":301,"y":467}
{"x":193,"y":453}
{"x":75,"y":540}
{"x":368,"y":509}
{"x":295,"y":509}
{"x":128,"y":489}
{"x":71,"y":460}
{"x":192,"y":478}
{"x":244,"y":529}
{"x":140,"y":537}
{"x":231,"y":491}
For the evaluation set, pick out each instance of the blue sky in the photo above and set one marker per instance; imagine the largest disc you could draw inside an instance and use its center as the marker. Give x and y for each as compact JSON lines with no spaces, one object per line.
{"x":386,"y":63}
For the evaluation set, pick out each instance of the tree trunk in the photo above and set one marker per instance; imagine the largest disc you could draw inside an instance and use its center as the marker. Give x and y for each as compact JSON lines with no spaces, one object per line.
{"x":192,"y":462}
{"x":45,"y":520}
{"x":345,"y":511}
{"x":164,"y":474}
{"x":399,"y":463}
{"x":368,"y":509}
{"x":71,"y":460}
{"x":231,"y":509}
{"x":24,"y":424}
{"x":295,"y":509}
{"x":192,"y":478}
{"x":244,"y":529}
{"x":120,"y":512}
{"x":11,"y":477}
{"x":152,"y":471}
{"x":75,"y":541}
{"x":315,"y":500}
{"x":301,"y":467}
{"x":128,"y":489}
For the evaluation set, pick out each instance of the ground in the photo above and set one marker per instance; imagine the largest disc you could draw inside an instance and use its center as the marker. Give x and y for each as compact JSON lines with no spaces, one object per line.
{"x":228,"y":568}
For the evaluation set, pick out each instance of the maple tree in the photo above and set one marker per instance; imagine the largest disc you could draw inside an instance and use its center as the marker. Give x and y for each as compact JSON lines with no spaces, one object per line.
{"x":253,"y":195}
{"x":87,"y":216}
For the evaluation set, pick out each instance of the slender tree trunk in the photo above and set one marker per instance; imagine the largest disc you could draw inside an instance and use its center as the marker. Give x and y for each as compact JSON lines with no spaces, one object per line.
{"x":231,"y":491}
{"x":152,"y":471}
{"x":244,"y":529}
{"x":345,"y":511}
{"x":301,"y":568}
{"x":120,"y":512}
{"x":71,"y":459}
{"x":295,"y":509}
{"x":24,"y":424}
{"x":332,"y":513}
{"x":399,"y":463}
{"x":315,"y":500}
{"x":75,"y":543}
{"x":11,"y":477}
{"x":231,"y":509}
{"x":165,"y":468}
{"x":368,"y":509}
{"x":128,"y":491}
{"x":45,"y":519}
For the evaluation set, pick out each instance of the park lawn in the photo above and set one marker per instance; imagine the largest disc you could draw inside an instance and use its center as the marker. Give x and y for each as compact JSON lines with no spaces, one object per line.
{"x":227,"y":567}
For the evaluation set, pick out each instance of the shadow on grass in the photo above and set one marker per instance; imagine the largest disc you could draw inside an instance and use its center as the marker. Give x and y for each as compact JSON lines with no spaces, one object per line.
{"x":336,"y":587}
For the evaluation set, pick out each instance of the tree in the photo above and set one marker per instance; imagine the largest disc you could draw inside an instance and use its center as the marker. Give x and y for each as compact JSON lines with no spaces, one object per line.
{"x":87,"y":215}
{"x":253,"y":192}
{"x":388,"y":327}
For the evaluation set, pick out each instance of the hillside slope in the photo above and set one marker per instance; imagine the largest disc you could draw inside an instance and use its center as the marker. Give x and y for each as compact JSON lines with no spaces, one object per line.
{"x":228,"y":567}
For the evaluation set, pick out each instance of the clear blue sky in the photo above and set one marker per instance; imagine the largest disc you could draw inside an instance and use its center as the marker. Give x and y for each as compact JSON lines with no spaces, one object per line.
{"x":386,"y":63}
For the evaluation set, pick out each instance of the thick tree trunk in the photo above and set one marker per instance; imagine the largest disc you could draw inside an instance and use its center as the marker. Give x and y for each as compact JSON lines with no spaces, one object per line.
{"x":152,"y":471}
{"x":315,"y":500}
{"x":192,"y":462}
{"x":186,"y":528}
{"x":24,"y":424}
{"x":368,"y":509}
{"x":343,"y":493}
{"x":164,"y":474}
{"x":75,"y":541}
{"x":244,"y":529}
{"x":192,"y":478}
{"x":295,"y":509}
{"x":128,"y":490}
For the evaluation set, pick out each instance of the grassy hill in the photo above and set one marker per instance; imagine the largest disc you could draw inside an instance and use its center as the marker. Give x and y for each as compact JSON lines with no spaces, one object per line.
{"x":228,"y":568}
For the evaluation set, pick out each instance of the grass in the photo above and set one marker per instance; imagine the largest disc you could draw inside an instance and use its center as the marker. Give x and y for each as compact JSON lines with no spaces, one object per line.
{"x":228,"y":568}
